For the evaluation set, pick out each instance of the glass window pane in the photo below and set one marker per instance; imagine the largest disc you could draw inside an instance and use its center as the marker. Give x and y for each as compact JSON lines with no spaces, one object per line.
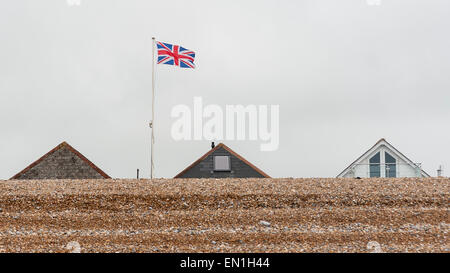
{"x":389,"y":158}
{"x":375,"y":170}
{"x":222,"y":163}
{"x":391,"y":166}
{"x":375,"y":158}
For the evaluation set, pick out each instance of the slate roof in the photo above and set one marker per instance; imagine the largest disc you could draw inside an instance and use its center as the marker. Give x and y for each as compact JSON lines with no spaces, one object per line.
{"x":202,"y":168}
{"x":62,"y":162}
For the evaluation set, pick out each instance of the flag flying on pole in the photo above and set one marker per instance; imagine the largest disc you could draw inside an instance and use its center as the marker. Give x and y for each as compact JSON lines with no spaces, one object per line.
{"x":175,"y":55}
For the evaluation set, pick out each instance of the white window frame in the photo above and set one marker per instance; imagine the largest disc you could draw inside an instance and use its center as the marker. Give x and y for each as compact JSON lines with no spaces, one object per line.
{"x":382,"y":151}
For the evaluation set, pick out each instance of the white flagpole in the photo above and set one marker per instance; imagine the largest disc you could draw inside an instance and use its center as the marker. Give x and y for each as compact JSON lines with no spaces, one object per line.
{"x":152,"y":123}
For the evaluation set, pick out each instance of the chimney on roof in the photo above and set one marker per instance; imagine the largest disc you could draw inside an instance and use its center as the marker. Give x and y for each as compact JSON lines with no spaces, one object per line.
{"x":439,"y":171}
{"x":213,"y":145}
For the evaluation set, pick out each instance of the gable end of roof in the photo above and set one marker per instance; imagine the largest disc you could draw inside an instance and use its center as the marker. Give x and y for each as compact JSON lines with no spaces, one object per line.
{"x":221,"y":145}
{"x":60,"y":146}
{"x":388,"y":145}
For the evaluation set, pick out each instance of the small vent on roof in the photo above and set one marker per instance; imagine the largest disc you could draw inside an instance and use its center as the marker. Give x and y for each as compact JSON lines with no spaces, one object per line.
{"x":213,"y":145}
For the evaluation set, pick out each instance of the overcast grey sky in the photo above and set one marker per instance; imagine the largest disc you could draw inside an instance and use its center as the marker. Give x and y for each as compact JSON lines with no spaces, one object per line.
{"x":344,"y":73}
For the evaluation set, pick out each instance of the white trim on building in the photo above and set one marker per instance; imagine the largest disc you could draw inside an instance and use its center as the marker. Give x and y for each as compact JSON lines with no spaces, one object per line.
{"x":383,"y":160}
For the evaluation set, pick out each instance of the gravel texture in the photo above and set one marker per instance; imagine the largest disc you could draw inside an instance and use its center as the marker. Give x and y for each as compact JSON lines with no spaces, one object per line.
{"x":225,"y":215}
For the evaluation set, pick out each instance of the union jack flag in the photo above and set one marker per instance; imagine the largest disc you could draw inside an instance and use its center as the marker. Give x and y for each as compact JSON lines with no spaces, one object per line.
{"x":175,"y":55}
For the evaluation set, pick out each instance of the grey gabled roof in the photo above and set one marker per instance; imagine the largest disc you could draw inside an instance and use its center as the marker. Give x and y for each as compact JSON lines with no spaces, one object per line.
{"x":228,"y":149}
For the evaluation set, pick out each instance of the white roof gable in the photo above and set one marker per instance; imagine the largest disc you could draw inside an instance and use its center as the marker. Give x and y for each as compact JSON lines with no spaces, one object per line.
{"x":381,"y":143}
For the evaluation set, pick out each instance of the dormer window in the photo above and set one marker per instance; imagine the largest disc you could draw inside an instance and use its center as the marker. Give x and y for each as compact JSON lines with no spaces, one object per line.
{"x":222,"y":163}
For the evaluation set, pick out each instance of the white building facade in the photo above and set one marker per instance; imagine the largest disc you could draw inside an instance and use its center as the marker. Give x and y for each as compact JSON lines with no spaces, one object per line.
{"x":383,"y":160}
